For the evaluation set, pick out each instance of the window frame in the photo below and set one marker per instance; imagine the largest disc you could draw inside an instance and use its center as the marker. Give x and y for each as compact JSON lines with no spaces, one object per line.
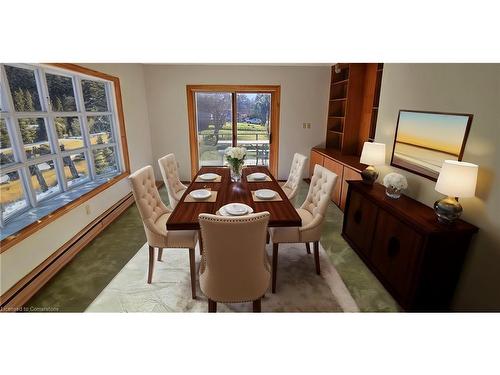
{"x":274,"y":90}
{"x":115,"y":113}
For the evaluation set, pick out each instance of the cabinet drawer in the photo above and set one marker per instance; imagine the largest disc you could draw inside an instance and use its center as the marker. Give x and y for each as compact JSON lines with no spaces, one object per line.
{"x":348,"y":175}
{"x":394,"y":252}
{"x":360,"y":222}
{"x":316,"y":158}
{"x":338,"y":169}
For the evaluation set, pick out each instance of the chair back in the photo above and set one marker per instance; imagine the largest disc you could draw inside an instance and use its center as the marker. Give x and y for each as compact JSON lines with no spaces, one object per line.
{"x":296,"y":172}
{"x":148,"y":201}
{"x":170,"y":174}
{"x":320,"y":191}
{"x":235,"y":266}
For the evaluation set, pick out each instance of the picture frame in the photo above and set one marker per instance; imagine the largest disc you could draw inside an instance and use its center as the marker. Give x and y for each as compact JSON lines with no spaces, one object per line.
{"x":424,"y":140}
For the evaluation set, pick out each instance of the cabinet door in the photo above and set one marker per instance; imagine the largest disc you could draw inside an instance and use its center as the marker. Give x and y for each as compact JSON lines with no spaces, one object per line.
{"x":338,"y":169}
{"x":349,"y":174}
{"x":360,"y":222}
{"x":316,"y":158}
{"x":395,"y":248}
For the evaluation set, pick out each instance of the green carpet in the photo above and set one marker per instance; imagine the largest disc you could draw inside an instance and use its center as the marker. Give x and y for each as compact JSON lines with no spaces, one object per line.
{"x":81,"y":281}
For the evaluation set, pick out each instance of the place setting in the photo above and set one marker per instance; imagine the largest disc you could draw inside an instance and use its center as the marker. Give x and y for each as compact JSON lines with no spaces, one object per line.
{"x":258,"y":177}
{"x":201,"y":195}
{"x":235,"y":209}
{"x":266,"y":195}
{"x":209,"y":177}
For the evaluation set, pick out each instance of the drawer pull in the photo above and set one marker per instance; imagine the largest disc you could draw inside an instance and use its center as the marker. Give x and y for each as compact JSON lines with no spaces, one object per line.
{"x":393,"y":247}
{"x":358,"y":216}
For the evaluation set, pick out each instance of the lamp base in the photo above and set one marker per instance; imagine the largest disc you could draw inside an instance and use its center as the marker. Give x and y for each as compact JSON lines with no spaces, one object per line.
{"x":369,"y":175}
{"x":447,"y":210}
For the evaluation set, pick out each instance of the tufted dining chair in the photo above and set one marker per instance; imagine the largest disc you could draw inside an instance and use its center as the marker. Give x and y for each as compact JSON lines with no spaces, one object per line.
{"x":291,"y":186}
{"x":312,"y":213}
{"x":170,"y":173}
{"x":235,"y":266}
{"x":154,"y":215}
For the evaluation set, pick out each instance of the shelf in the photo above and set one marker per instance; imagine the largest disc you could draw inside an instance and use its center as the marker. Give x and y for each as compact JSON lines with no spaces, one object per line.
{"x":338,"y":100}
{"x":336,"y":132}
{"x":336,"y":116}
{"x":340,"y":82}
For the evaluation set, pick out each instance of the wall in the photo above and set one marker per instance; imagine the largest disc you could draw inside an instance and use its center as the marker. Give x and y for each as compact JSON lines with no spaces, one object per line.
{"x":461,"y":88}
{"x":21,"y":258}
{"x":304,"y":98}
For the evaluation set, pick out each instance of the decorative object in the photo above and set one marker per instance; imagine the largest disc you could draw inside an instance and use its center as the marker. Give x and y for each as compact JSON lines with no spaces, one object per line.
{"x":424,"y":140}
{"x":235,"y":157}
{"x":372,"y":154}
{"x":394,"y":184}
{"x":457,"y":179}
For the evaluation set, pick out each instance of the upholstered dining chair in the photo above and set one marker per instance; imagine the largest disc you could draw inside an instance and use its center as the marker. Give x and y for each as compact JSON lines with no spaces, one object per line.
{"x":154,"y":215}
{"x":234,"y":266}
{"x":291,"y":186}
{"x":170,"y":173}
{"x":312,"y":213}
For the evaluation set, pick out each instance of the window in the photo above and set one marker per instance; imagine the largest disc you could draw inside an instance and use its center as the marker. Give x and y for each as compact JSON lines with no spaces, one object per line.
{"x":59,"y":139}
{"x":221,"y":116}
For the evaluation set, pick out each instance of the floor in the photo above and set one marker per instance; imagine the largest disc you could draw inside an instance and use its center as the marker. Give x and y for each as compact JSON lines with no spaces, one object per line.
{"x":75,"y":287}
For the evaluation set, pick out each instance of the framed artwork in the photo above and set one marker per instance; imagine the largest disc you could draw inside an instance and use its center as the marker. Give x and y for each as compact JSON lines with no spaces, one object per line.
{"x":424,"y":140}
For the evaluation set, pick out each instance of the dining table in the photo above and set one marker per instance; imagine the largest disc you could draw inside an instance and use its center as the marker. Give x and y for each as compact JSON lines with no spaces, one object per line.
{"x":185,"y":215}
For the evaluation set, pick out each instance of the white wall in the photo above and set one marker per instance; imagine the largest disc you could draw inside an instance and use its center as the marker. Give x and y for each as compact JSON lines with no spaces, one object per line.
{"x":304,"y":98}
{"x":461,"y":88}
{"x":21,"y":258}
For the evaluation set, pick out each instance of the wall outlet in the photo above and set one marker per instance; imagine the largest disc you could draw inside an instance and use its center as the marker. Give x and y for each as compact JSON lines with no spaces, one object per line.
{"x":304,"y":125}
{"x":87,"y":209}
{"x":308,"y":125}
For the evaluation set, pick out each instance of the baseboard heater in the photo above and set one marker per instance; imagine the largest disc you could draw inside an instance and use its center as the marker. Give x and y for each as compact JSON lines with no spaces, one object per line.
{"x":17,"y":296}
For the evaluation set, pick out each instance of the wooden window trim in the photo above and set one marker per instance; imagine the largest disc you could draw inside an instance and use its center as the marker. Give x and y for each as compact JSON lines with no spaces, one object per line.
{"x":274,"y":90}
{"x":27,"y":231}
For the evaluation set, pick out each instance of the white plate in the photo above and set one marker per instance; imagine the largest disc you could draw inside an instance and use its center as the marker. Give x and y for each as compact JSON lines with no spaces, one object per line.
{"x":235,"y":209}
{"x":208,"y":176}
{"x":265,"y":194}
{"x":200,"y":194}
{"x":258,"y":176}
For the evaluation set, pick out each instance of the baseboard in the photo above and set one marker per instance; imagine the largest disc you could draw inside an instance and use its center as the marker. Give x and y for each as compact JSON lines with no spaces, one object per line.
{"x":19,"y":294}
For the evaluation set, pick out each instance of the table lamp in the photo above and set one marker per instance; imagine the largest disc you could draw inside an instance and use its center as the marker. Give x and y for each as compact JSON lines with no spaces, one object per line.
{"x":456,"y":179}
{"x":372,"y":154}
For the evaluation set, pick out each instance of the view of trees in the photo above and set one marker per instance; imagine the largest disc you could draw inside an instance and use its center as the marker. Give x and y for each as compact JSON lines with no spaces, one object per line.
{"x":24,"y":88}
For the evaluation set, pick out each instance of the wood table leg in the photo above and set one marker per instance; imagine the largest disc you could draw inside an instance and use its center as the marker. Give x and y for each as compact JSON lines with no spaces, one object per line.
{"x":160,"y":253}
{"x":308,"y":248}
{"x":275,"y":266}
{"x":316,"y":257}
{"x":212,"y":306}
{"x":151,"y":263}
{"x":256,"y":305}
{"x":200,"y":242}
{"x":192,"y":266}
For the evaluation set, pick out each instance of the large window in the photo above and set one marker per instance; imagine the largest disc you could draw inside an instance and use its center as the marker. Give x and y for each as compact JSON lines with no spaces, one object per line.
{"x":59,"y":135}
{"x":225,"y":115}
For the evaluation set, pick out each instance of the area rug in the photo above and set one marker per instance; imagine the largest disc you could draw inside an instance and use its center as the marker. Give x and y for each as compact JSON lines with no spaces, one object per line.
{"x":299,"y":289}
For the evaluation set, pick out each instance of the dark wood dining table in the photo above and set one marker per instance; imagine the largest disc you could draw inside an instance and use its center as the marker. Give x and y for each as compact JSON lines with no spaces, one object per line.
{"x":185,"y":214}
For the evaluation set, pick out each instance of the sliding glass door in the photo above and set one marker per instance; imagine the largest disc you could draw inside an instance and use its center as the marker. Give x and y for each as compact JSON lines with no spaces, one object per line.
{"x":225,"y":116}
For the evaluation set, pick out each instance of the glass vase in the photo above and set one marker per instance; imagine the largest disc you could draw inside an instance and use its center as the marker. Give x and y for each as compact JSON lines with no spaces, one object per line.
{"x":393,"y":192}
{"x":236,"y":172}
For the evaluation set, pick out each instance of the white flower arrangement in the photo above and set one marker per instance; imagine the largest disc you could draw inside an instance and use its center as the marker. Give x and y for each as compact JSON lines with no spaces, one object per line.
{"x":395,"y":181}
{"x":237,"y":153}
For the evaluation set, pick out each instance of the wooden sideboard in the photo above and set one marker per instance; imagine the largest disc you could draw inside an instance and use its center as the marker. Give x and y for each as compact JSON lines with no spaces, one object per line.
{"x":346,"y":167}
{"x":416,"y":258}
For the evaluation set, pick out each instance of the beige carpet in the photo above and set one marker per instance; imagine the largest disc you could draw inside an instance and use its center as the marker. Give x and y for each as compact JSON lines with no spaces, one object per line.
{"x":299,"y":289}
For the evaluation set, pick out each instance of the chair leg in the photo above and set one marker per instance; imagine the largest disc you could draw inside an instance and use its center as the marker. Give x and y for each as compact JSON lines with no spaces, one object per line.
{"x":275,"y":266}
{"x":308,"y":248}
{"x":192,"y":266}
{"x":268,"y":237}
{"x":316,"y":257}
{"x":200,"y":242}
{"x":151,"y":263}
{"x":212,"y":306}
{"x":160,"y":253}
{"x":256,"y":305}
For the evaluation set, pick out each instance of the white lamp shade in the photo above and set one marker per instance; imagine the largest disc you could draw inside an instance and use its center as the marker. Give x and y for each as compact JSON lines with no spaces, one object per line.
{"x":457,"y":179}
{"x":373,"y":153}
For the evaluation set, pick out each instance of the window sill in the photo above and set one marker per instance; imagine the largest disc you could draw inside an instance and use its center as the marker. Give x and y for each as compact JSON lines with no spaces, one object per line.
{"x":36,"y":218}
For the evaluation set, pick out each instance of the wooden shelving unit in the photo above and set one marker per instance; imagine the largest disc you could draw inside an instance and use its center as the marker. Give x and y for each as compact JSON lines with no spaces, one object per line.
{"x":344,"y":107}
